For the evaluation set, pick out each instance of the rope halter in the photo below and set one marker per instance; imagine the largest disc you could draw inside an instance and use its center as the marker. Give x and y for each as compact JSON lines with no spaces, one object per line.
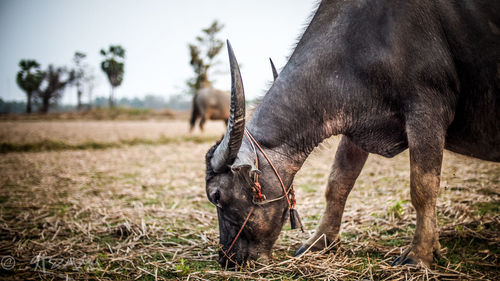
{"x":260,"y":199}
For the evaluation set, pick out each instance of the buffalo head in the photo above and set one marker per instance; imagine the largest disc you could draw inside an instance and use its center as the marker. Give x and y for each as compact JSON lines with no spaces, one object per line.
{"x":230,"y":175}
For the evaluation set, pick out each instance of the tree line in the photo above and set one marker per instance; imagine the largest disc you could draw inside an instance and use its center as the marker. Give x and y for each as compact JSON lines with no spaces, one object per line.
{"x":179,"y":101}
{"x":45,"y":87}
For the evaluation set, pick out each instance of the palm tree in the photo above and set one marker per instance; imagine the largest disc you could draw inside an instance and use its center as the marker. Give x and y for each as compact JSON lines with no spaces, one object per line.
{"x":113,"y":65}
{"x":29,"y":79}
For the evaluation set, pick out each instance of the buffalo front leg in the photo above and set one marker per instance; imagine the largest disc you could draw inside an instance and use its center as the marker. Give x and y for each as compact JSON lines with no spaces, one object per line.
{"x":426,"y":143}
{"x":349,"y":160}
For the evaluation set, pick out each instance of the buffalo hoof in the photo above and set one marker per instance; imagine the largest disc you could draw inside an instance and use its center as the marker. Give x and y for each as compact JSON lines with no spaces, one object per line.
{"x":410,"y":257}
{"x":315,"y":248}
{"x":402,"y":260}
{"x":301,"y":250}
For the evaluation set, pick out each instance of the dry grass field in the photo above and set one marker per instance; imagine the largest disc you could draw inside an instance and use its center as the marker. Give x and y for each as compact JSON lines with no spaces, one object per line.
{"x":108,"y":200}
{"x":78,"y":132}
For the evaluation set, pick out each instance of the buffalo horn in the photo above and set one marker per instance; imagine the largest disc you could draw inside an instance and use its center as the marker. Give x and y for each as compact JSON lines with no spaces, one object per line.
{"x":227,"y":150}
{"x":275,"y":73}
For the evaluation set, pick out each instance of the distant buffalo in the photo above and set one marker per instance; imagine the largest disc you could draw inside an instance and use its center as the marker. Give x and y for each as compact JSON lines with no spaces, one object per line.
{"x":210,"y":104}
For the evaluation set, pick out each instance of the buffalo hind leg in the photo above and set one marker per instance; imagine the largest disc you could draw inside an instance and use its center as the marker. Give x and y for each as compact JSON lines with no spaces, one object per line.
{"x":349,"y":160}
{"x":195,"y":113}
{"x":202,"y":122}
{"x":192,"y":123}
{"x":426,"y":143}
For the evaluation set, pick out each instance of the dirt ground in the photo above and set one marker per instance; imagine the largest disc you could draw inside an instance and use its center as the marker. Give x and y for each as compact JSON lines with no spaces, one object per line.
{"x":137,"y":210}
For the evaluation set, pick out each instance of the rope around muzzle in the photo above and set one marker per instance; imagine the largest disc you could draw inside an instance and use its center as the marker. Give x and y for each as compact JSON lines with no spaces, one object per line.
{"x":260,"y":199}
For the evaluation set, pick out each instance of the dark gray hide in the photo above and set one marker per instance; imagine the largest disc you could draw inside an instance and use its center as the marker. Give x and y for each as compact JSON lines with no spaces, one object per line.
{"x":387,"y":75}
{"x":209,"y":104}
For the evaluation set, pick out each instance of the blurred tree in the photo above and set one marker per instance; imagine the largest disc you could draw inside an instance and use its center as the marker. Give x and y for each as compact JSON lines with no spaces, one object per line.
{"x":90,"y":81}
{"x":29,"y":79}
{"x":202,"y":53}
{"x":54,"y":86}
{"x":79,"y":76}
{"x":113,"y":65}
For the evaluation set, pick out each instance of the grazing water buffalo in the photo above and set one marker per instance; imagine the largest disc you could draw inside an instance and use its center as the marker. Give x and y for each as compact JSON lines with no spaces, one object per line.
{"x":209,"y":104}
{"x":387,"y":75}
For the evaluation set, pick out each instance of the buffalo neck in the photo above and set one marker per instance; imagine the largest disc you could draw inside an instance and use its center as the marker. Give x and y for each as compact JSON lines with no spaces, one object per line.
{"x":294,"y":117}
{"x":291,"y":124}
{"x":314,"y":97}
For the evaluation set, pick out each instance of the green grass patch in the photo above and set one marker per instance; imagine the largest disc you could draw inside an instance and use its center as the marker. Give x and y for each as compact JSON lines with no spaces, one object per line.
{"x":483,"y":208}
{"x":469,"y":253}
{"x":182,"y":268}
{"x":110,"y":240}
{"x":489,"y":192}
{"x":128,"y":111}
{"x":55,"y":145}
{"x":52,"y":145}
{"x":4,"y":199}
{"x":394,"y":242}
{"x":397,"y":209}
{"x":367,"y":258}
{"x":63,"y":208}
{"x":347,"y":236}
{"x":150,"y":201}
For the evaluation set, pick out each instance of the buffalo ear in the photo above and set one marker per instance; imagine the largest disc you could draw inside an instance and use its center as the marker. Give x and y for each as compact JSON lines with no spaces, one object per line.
{"x":244,"y":164}
{"x":241,"y":168}
{"x":247,"y":171}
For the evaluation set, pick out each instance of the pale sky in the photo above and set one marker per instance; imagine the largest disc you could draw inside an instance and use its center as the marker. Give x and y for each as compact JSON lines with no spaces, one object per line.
{"x":155,"y":35}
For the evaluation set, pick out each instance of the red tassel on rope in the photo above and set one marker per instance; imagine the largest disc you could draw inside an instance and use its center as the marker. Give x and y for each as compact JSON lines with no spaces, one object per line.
{"x":258,"y":192}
